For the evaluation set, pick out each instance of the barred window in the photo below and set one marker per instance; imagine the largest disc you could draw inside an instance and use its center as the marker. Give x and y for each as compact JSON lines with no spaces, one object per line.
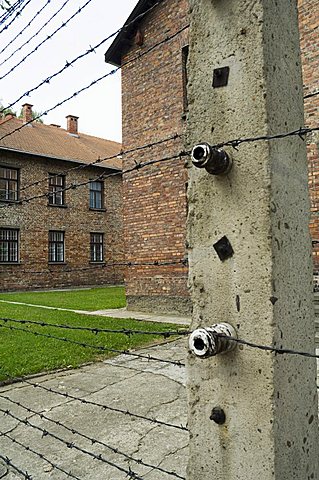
{"x":56,"y":189}
{"x":9,"y":178}
{"x":56,"y":246}
{"x":96,"y":194}
{"x":96,"y":247}
{"x":9,"y":245}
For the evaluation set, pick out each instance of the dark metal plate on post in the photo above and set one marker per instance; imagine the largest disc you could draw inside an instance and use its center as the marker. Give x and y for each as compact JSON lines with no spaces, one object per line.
{"x":220,"y":77}
{"x":223,"y":248}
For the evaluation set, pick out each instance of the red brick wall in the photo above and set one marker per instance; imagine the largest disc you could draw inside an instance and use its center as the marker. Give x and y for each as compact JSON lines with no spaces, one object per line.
{"x":309,"y":38}
{"x":155,"y":197}
{"x":36,"y":218}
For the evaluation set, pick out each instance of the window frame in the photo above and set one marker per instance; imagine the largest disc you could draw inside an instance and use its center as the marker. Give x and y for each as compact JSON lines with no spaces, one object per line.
{"x":94,"y":244}
{"x":94,"y":192}
{"x":7,"y":186}
{"x":185,"y":55}
{"x":55,"y":190}
{"x":53,"y":253}
{"x":10,"y":242}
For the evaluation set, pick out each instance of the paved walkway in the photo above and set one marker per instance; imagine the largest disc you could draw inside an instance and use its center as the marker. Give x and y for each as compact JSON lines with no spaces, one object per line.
{"x":116,"y":313}
{"x":104,"y":442}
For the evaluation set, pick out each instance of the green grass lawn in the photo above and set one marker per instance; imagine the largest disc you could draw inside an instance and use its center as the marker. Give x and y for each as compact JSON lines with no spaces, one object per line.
{"x":85,"y":299}
{"x":23,"y":353}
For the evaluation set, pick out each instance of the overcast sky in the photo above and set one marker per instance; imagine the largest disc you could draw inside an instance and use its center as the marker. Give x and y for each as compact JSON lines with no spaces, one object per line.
{"x":99,"y":108}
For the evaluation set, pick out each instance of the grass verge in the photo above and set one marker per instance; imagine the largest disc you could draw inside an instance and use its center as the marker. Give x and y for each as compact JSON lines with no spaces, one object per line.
{"x":90,"y":299}
{"x":23,"y":353}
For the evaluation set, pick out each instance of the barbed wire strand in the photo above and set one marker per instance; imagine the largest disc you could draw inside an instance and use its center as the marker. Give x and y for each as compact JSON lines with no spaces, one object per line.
{"x":273,"y":349}
{"x":310,"y":95}
{"x":96,"y":331}
{"x":10,"y":11}
{"x":129,"y":473}
{"x":102,"y":266}
{"x":9,"y":463}
{"x":16,"y":16}
{"x":91,"y":439}
{"x":40,"y":455}
{"x":67,"y":65}
{"x":94,"y":82}
{"x":83,"y":401}
{"x":100,"y":160}
{"x":64,"y":24}
{"x":23,"y":30}
{"x":101,"y":348}
{"x":36,"y":33}
{"x":102,"y":176}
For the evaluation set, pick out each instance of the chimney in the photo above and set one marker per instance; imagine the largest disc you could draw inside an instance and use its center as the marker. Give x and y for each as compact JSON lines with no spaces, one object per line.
{"x":27,"y":112}
{"x":72,"y":125}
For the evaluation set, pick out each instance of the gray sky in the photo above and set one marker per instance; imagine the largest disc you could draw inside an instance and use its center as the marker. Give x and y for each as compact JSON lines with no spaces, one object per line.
{"x":99,"y":108}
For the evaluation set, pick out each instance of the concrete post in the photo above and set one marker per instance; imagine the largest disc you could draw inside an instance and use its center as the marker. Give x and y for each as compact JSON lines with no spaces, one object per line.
{"x":265,"y":288}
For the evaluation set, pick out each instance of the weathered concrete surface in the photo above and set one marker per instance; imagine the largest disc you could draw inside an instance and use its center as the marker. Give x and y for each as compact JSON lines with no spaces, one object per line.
{"x":265,"y":289}
{"x":148,"y":388}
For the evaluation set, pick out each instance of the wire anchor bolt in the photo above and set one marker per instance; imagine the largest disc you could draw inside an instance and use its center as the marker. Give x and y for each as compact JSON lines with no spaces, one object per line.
{"x":210,"y":341}
{"x":215,"y":160}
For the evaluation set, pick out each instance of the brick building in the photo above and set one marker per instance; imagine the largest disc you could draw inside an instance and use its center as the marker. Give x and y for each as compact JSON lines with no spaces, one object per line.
{"x":67,"y":236}
{"x":154,"y":107}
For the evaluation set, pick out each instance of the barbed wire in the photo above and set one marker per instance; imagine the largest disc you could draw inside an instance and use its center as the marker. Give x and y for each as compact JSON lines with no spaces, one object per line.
{"x":100,"y":160}
{"x":309,"y":95}
{"x":129,"y":473}
{"x":37,"y":32}
{"x":169,"y":333}
{"x":82,"y":55}
{"x":96,"y":404}
{"x":16,"y":16}
{"x":8,"y":462}
{"x":91,"y":439}
{"x":23,"y":30}
{"x":102,"y":266}
{"x":40,"y":455}
{"x":101,"y":348}
{"x":125,"y":331}
{"x":94,"y":82}
{"x":100,"y":177}
{"x":10,"y":11}
{"x":64,"y":24}
{"x":301,"y":132}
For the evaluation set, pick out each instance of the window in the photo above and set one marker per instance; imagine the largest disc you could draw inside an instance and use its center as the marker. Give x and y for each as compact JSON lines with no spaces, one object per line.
{"x":8,"y":184}
{"x":96,"y":247}
{"x":56,"y":189}
{"x":185,"y":51}
{"x":9,"y":247}
{"x":56,"y":246}
{"x":96,"y":195}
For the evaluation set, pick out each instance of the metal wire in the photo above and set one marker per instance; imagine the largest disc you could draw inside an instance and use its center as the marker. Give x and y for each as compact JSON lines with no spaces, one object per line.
{"x":37,"y":32}
{"x":102,"y":176}
{"x":16,"y":16}
{"x":72,"y":62}
{"x":17,"y":469}
{"x":40,"y":455}
{"x":64,"y":24}
{"x":100,"y":160}
{"x":91,"y":439}
{"x":22,"y":31}
{"x":101,"y":348}
{"x":96,"y":331}
{"x":129,"y":473}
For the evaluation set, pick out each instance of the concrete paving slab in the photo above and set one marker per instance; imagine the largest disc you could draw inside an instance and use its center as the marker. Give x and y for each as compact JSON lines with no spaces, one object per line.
{"x":101,"y":444}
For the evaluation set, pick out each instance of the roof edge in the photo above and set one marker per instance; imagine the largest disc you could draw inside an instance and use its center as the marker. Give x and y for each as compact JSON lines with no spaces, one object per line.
{"x":122,"y":41}
{"x":43,"y":155}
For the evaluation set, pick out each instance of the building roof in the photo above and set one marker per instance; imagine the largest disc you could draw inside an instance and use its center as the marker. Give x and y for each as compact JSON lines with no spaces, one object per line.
{"x":55,"y":142}
{"x":123,"y":41}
